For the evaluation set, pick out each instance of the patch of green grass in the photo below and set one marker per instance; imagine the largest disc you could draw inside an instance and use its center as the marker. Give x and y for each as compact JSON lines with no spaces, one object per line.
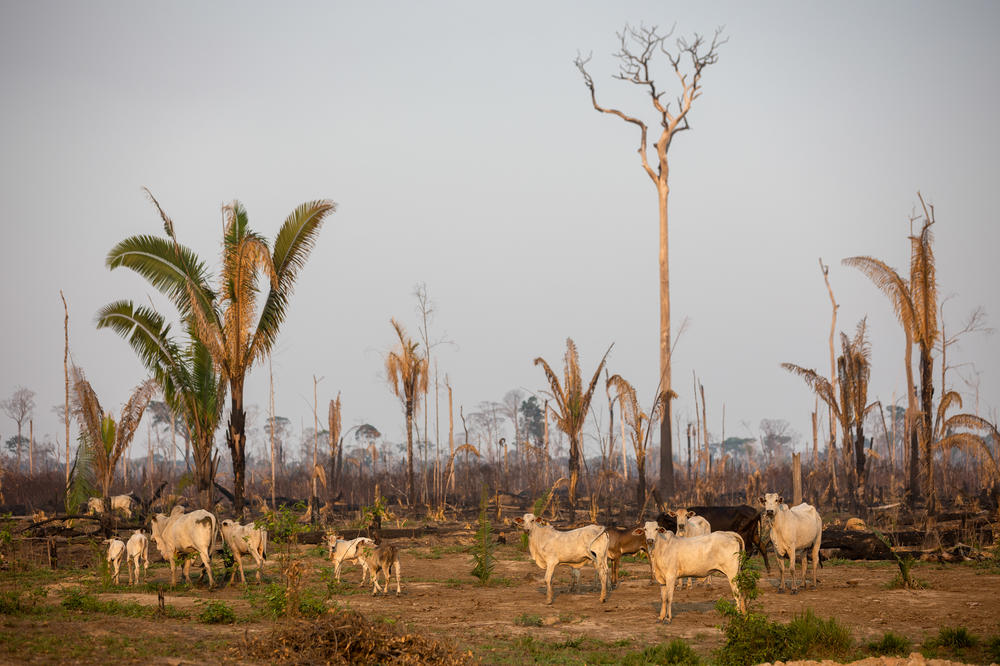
{"x":453,"y":583}
{"x":528,"y":620}
{"x":674,"y":652}
{"x":16,"y":602}
{"x":217,"y":612}
{"x":752,"y":638}
{"x":993,"y":649}
{"x":952,"y":638}
{"x":78,"y":600}
{"x":890,"y":644}
{"x":311,"y":605}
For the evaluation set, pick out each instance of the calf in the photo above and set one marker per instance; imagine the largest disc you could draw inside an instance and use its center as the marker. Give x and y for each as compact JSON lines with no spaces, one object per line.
{"x":116,"y":550}
{"x":245,"y":540}
{"x":381,"y":558}
{"x":136,"y":552}
{"x":575,"y":548}
{"x":673,"y":557}
{"x":621,"y":542}
{"x":181,"y":533}
{"x":743,"y":519}
{"x":341,"y":551}
{"x":799,"y":527}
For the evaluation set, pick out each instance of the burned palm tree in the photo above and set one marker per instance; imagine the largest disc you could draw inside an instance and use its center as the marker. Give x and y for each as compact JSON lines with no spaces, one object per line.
{"x":406,"y":368}
{"x":850,"y":405}
{"x":639,"y":423}
{"x":914,"y":302}
{"x":105,"y":438}
{"x":572,"y":402}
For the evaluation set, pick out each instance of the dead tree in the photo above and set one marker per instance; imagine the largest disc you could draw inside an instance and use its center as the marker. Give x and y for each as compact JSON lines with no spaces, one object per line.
{"x":639,"y":47}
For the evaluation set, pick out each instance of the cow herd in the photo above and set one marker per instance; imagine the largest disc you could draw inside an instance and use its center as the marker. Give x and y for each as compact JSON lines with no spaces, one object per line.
{"x":692,"y":542}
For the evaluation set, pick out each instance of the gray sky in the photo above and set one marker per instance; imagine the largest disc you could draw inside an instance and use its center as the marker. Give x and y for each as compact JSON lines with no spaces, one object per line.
{"x":460,"y":145}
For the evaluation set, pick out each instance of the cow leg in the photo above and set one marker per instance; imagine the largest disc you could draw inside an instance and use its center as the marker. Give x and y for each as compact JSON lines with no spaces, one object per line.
{"x":781,"y":567}
{"x":791,"y":564}
{"x":187,"y":570}
{"x":396,"y":567}
{"x":549,"y":570}
{"x":805,"y":569}
{"x":736,"y":594}
{"x":614,"y":572}
{"x":337,"y":564}
{"x":576,"y":580}
{"x":239,"y":562}
{"x":815,"y":559}
{"x":206,"y":560}
{"x":602,"y":573}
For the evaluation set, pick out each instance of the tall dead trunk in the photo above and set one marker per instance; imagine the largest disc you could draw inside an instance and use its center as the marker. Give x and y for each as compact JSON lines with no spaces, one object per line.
{"x":66,"y":379}
{"x":409,"y":452}
{"x":926,"y":434}
{"x":666,"y":432}
{"x":236,"y":440}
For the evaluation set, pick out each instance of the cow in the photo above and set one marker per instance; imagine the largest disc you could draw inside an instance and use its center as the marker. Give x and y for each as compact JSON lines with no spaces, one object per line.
{"x":381,"y":558}
{"x":136,"y":552}
{"x":116,"y":551}
{"x":743,"y":519}
{"x":244,"y":540}
{"x":673,"y":557}
{"x":575,"y":548}
{"x":622,"y":542}
{"x":123,"y":503}
{"x":341,"y":550}
{"x":792,"y":529}
{"x":691,"y":525}
{"x":181,"y":533}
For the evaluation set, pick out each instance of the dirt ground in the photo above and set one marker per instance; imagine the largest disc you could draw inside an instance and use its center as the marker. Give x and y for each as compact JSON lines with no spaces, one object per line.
{"x":442,"y":600}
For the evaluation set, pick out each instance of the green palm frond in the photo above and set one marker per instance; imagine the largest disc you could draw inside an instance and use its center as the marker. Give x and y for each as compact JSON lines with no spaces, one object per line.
{"x":82,"y":484}
{"x":292,"y":247}
{"x":174,"y":270}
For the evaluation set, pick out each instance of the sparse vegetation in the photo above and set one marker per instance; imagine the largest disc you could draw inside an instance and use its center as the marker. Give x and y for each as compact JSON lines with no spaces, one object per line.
{"x":890,"y":644}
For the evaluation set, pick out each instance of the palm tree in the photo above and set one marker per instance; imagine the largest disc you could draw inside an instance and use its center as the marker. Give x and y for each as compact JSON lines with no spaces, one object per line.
{"x":104,"y":438}
{"x":915,"y":304}
{"x":639,"y":423}
{"x":226,"y":321}
{"x":850,"y":405}
{"x":191,"y":387}
{"x":571,"y":406}
{"x":406,"y":368}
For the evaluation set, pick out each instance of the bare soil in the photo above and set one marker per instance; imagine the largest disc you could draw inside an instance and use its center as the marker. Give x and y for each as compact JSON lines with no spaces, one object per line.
{"x":443,"y":601}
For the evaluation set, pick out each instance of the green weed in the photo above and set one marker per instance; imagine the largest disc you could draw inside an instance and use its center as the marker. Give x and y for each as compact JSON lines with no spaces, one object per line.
{"x":217,"y":612}
{"x":674,"y":652}
{"x":890,"y":644}
{"x":528,"y":620}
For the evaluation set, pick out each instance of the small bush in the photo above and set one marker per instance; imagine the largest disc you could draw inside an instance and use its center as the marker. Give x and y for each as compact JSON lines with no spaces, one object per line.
{"x":993,"y":649}
{"x":674,"y":652}
{"x":890,"y":644}
{"x":528,"y":620}
{"x":76,"y":599}
{"x":952,"y":638}
{"x":810,"y":636}
{"x":311,"y":606}
{"x":483,"y":559}
{"x":217,"y":612}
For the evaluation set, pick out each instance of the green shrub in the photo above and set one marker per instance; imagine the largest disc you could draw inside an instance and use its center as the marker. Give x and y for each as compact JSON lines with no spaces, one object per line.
{"x":674,"y":652}
{"x":77,"y":599}
{"x":952,"y":638}
{"x":993,"y":649}
{"x":890,"y":644}
{"x":217,"y":612}
{"x":311,"y":606}
{"x":482,"y":552}
{"x":528,"y":620}
{"x":810,"y":636}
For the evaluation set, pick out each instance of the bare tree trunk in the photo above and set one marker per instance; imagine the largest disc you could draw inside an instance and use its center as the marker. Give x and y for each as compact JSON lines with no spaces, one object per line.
{"x":547,"y":476}
{"x":314,"y":498}
{"x":409,"y":453}
{"x":704,"y":420}
{"x":926,"y":434}
{"x":31,"y":447}
{"x":815,"y":436}
{"x":451,"y":432}
{"x":270,"y":372}
{"x":831,"y":452}
{"x":796,"y":479}
{"x":66,"y":379}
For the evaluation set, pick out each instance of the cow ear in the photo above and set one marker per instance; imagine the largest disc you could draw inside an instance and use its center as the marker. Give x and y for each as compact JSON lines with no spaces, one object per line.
{"x":781,"y":500}
{"x":672,"y":514}
{"x":638,"y":531}
{"x":541,"y":521}
{"x":761,"y":499}
{"x":690,"y":514}
{"x":661,"y":530}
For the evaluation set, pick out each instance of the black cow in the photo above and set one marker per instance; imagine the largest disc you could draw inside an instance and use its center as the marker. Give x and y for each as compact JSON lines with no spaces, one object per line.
{"x":743,"y":519}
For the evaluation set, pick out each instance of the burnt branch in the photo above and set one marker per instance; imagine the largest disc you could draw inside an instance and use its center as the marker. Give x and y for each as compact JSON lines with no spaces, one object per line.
{"x":637,"y":51}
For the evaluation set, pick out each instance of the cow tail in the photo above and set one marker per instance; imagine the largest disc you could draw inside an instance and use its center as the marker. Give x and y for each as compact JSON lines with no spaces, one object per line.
{"x":592,"y":552}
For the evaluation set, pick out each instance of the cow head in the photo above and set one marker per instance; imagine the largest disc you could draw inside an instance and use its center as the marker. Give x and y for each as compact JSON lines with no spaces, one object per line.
{"x":772,"y":503}
{"x":682,"y":516}
{"x":653,"y":532}
{"x":156,"y":526}
{"x":527,"y":521}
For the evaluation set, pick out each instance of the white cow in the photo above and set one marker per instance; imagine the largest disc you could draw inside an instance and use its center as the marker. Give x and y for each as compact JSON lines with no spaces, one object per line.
{"x":116,"y":550}
{"x":341,"y":550}
{"x":575,"y":548}
{"x":381,"y":558}
{"x":797,"y":528}
{"x":245,"y":540}
{"x":136,"y":552}
{"x":181,"y":533}
{"x":123,"y":503}
{"x":689,"y":524}
{"x":672,"y":557}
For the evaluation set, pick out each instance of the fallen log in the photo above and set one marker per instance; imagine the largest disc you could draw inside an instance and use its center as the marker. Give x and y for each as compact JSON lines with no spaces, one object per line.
{"x":855,"y":544}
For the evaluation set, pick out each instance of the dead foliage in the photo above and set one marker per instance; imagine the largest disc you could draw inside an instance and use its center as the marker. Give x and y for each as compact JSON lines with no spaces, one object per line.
{"x":346,"y":637}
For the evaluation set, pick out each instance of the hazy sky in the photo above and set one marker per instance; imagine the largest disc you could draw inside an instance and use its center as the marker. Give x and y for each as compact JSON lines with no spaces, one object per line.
{"x":460,"y":145}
